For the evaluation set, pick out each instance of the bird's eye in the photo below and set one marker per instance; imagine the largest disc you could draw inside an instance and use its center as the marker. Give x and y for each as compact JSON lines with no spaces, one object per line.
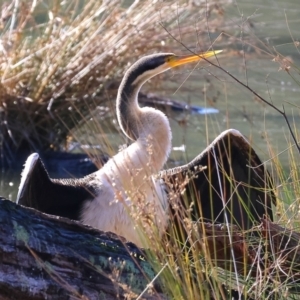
{"x":169,"y":59}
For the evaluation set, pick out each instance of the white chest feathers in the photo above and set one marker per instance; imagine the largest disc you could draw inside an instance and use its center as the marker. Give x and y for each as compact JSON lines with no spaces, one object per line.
{"x":129,"y":201}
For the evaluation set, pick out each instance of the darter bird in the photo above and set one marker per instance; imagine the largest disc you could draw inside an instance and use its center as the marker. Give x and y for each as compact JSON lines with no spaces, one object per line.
{"x":129,"y":195}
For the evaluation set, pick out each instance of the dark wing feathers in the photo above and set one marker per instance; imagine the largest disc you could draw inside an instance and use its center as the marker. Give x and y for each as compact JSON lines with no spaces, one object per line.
{"x":234,"y":175}
{"x":234,"y":178}
{"x":60,"y":197}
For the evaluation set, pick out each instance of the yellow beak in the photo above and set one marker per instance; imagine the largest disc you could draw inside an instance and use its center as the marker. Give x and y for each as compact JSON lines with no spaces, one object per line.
{"x":175,"y":61}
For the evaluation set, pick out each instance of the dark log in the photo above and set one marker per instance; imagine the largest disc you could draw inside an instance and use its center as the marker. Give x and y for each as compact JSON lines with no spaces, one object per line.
{"x":45,"y":257}
{"x":271,"y":250}
{"x":283,"y":253}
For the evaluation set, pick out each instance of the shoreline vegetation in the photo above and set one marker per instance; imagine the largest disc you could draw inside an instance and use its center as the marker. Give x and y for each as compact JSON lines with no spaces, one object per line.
{"x":63,"y":60}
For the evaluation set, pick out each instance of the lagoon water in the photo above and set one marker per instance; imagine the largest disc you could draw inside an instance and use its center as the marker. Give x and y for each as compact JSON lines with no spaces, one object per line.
{"x":273,"y":27}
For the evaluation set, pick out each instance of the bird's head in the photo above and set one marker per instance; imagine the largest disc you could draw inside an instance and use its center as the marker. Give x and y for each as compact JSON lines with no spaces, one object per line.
{"x":128,"y":110}
{"x":151,"y":65}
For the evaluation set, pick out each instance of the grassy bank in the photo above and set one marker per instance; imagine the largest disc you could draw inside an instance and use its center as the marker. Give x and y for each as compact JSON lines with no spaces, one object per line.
{"x":60,"y":60}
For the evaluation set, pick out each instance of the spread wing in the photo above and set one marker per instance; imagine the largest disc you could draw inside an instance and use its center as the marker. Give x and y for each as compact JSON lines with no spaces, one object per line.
{"x":61,"y":197}
{"x":234,"y":182}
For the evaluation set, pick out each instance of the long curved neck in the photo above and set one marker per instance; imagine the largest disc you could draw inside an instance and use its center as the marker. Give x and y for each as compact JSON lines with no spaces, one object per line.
{"x":147,"y":126}
{"x":128,"y":110}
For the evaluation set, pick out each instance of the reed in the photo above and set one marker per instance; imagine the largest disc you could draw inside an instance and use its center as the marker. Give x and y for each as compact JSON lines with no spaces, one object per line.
{"x":61,"y":59}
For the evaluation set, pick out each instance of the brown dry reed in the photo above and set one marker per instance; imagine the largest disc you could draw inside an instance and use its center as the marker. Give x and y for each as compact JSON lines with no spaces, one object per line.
{"x":61,"y":59}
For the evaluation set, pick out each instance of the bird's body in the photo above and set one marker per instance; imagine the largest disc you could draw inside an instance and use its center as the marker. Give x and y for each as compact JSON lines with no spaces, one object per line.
{"x":235,"y":182}
{"x":123,"y":195}
{"x":126,"y":194}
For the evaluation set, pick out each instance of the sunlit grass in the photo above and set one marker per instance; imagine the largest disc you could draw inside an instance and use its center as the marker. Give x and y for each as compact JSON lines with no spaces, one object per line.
{"x":60,"y":59}
{"x":190,"y":270}
{"x":68,"y":59}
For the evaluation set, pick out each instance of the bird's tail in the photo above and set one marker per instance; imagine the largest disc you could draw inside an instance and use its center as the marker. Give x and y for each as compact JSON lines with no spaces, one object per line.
{"x":34,"y":178}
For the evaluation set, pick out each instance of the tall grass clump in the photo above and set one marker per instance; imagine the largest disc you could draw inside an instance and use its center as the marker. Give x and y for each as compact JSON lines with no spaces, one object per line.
{"x":61,"y":59}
